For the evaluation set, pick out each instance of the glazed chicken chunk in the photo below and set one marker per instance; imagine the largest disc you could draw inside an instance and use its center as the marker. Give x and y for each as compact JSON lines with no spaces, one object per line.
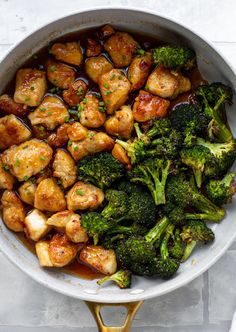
{"x":31,"y":86}
{"x":64,"y":168}
{"x":93,"y":48}
{"x":167,"y":83}
{"x":121,"y":47}
{"x":50,"y":113}
{"x":115,"y":88}
{"x":97,"y":66}
{"x":36,"y":225}
{"x":83,"y":196}
{"x":59,"y":74}
{"x":8,"y":106}
{"x":27,"y":159}
{"x":139,"y":70}
{"x":12,"y":131}
{"x":68,"y":52}
{"x":60,"y":137}
{"x":6,"y":179}
{"x":121,"y":124}
{"x":147,"y":107}
{"x":75,"y":93}
{"x":92,"y":112}
{"x":13,"y":212}
{"x":120,"y":154}
{"x":49,"y":196}
{"x":27,"y":192}
{"x":100,"y":259}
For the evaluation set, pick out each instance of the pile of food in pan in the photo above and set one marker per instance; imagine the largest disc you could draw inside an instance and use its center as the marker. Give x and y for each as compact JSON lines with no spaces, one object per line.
{"x":115,"y":152}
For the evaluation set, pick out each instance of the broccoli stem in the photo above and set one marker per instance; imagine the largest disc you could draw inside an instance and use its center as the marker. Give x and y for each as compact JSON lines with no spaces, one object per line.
{"x":204,"y":205}
{"x":137,"y":130}
{"x":198,"y":177}
{"x":228,"y":178}
{"x":125,"y":145}
{"x":164,"y":244}
{"x":107,"y":212}
{"x":210,"y":216}
{"x":155,"y":233}
{"x":188,"y":250}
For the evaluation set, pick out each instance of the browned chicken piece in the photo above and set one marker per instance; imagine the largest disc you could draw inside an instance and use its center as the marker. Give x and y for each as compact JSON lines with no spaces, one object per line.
{"x":31,"y":86}
{"x":27,"y":159}
{"x":44,"y":174}
{"x":68,"y":52}
{"x":93,"y":48}
{"x":100,"y":259}
{"x":106,"y":31}
{"x":49,"y":196}
{"x":167,"y":83}
{"x":12,"y":131}
{"x":8,"y":106}
{"x":76,"y":132}
{"x":92,"y":112}
{"x":83,"y":196}
{"x":36,"y":225}
{"x":27,"y":192}
{"x":59,"y":74}
{"x":75,"y":93}
{"x":97,"y":66}
{"x":139,"y":70}
{"x":115,"y":88}
{"x":13,"y":212}
{"x":59,"y":138}
{"x":64,"y":168}
{"x":69,"y":222}
{"x":6,"y":179}
{"x":50,"y":113}
{"x":121,"y":47}
{"x":120,"y":154}
{"x":42,"y":252}
{"x":147,"y":107}
{"x":40,"y":132}
{"x":121,"y":123}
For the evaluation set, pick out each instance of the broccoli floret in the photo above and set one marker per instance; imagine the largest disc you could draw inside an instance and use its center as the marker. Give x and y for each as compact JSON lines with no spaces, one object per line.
{"x":160,"y":127}
{"x":110,"y":241}
{"x":212,"y":97}
{"x":221,"y":191}
{"x":117,"y":204}
{"x":195,"y":231}
{"x":175,"y":57}
{"x":95,"y":225}
{"x":181,"y":192}
{"x":177,"y":249}
{"x":135,"y":228}
{"x":129,"y":187}
{"x":176,"y":216}
{"x":167,"y":146}
{"x":122,"y":278}
{"x":102,"y":169}
{"x":153,"y":173}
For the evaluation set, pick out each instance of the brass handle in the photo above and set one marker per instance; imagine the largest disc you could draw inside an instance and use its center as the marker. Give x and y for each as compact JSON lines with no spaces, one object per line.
{"x":131,"y":307}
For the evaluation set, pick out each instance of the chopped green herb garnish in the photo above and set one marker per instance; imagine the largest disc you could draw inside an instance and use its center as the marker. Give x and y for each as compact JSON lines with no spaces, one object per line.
{"x":112,"y":77}
{"x":67,"y":119}
{"x":41,"y":128}
{"x":25,"y":146}
{"x":108,"y":92}
{"x":75,"y":148}
{"x":140,"y":51}
{"x":69,"y":143}
{"x":33,"y":179}
{"x":80,"y":91}
{"x":32,"y":88}
{"x":17,"y":163}
{"x":101,"y":103}
{"x":84,"y":100}
{"x":42,"y":158}
{"x":49,"y":113}
{"x":106,"y":85}
{"x":6,"y":168}
{"x":26,"y":178}
{"x":79,"y":192}
{"x":52,"y":68}
{"x":102,"y":109}
{"x":27,"y":98}
{"x":120,"y":77}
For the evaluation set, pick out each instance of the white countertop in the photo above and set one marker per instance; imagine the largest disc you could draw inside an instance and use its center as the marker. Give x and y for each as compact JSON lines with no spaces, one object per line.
{"x":205,"y":305}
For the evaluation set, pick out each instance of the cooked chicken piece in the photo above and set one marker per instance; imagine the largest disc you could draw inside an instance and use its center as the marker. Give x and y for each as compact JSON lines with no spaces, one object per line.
{"x":100,"y":259}
{"x":76,"y":132}
{"x":93,"y":48}
{"x":27,"y":159}
{"x":12,"y":131}
{"x":106,"y":31}
{"x":121,"y":47}
{"x":8,"y":106}
{"x":84,"y":196}
{"x":59,"y":138}
{"x":68,"y":52}
{"x":75,"y":93}
{"x":92,"y":112}
{"x":6,"y":179}
{"x":121,"y":124}
{"x":40,"y":132}
{"x":115,"y":88}
{"x":64,"y":168}
{"x":44,"y":174}
{"x":120,"y":154}
{"x":147,"y":107}
{"x":42,"y":252}
{"x":97,"y":66}
{"x":167,"y":83}
{"x":27,"y":192}
{"x":139,"y":70}
{"x":13,"y":212}
{"x":69,"y":222}
{"x":77,"y":150}
{"x":50,"y":113}
{"x":36,"y":225}
{"x":31,"y":86}
{"x":59,"y":74}
{"x":49,"y":196}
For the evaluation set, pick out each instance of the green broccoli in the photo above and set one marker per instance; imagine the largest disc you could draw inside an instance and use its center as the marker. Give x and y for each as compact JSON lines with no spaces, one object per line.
{"x":153,"y":173}
{"x":102,"y":169}
{"x":212,"y":97}
{"x":122,"y":278}
{"x":135,"y":228}
{"x":175,"y":57}
{"x":117,"y":204}
{"x":129,"y":187}
{"x":221,"y":191}
{"x":167,"y":146}
{"x":195,"y":231}
{"x":177,"y":249}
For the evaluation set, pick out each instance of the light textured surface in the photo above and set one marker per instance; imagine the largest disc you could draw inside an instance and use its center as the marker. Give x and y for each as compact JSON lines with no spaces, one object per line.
{"x":205,"y":305}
